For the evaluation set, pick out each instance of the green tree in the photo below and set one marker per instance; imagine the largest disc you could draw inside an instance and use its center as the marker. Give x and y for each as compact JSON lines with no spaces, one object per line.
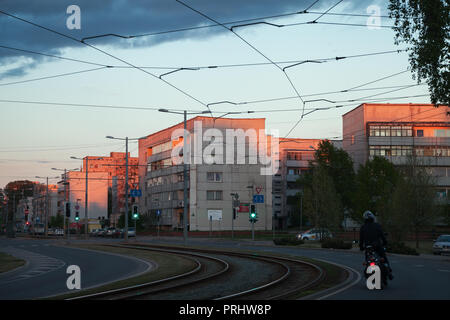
{"x":56,"y":221}
{"x":321,"y":202}
{"x":375,"y":183}
{"x":425,"y":26}
{"x":339,"y":166}
{"x":414,"y":206}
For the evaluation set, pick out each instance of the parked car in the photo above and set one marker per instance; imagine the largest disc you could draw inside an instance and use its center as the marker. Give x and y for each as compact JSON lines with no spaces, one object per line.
{"x":101,"y":232}
{"x":109,"y":232}
{"x":131,"y":232}
{"x":442,"y":244}
{"x":94,"y":232}
{"x":116,"y":233}
{"x":314,"y":234}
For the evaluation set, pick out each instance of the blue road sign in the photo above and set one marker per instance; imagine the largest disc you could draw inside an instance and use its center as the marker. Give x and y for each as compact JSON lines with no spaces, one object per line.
{"x":135,"y":193}
{"x":258,"y":198}
{"x":158,"y":212}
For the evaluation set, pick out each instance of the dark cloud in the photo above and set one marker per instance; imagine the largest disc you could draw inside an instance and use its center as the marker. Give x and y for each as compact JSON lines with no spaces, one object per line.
{"x":126,"y":17}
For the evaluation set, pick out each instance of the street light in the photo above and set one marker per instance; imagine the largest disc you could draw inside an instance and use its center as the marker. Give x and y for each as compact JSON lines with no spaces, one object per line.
{"x":86,"y":194}
{"x":185,"y":196}
{"x":46,"y":204}
{"x":126,"y":180}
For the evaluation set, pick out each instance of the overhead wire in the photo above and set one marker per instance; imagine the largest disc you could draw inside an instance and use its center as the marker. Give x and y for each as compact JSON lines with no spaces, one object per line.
{"x":104,"y":52}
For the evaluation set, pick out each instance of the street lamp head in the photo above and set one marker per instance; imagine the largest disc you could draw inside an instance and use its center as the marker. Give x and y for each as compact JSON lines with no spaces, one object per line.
{"x":74,"y":158}
{"x":109,"y":137}
{"x":206,"y":111}
{"x":163,"y":110}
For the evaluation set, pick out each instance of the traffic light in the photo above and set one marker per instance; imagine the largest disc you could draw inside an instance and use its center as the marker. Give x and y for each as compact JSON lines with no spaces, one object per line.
{"x":77,"y":217}
{"x":135,"y":213}
{"x":68,"y":209}
{"x":253,"y":214}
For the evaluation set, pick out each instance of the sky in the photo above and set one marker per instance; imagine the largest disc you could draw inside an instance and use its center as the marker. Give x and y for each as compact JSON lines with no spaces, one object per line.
{"x":53,"y":108}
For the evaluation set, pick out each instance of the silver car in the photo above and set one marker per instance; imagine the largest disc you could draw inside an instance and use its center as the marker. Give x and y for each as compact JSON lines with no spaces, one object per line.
{"x":442,"y":244}
{"x":314,"y":234}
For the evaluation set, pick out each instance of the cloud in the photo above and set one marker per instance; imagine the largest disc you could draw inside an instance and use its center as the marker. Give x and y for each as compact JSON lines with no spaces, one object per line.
{"x":128,"y":17}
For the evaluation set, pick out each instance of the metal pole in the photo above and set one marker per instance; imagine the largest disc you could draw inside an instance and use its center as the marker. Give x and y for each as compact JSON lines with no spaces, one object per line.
{"x":185,"y":196}
{"x":301,"y":211}
{"x":126,"y":190}
{"x":253,"y":231}
{"x":46,"y":213}
{"x":86,"y":201}
{"x":232,"y":223}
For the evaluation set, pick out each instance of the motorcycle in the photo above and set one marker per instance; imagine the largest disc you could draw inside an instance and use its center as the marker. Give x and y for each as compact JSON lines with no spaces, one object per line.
{"x":372,"y":258}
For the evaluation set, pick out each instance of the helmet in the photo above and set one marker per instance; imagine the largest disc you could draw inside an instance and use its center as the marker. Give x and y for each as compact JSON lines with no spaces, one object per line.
{"x":368,"y":215}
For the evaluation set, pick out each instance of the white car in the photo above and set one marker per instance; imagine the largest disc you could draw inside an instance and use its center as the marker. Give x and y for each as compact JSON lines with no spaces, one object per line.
{"x":314,"y":234}
{"x":442,"y":244}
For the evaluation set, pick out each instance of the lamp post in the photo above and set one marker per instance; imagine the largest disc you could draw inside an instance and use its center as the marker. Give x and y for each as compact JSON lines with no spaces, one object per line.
{"x":125,"y":237}
{"x":86,"y":193}
{"x":185,"y":196}
{"x":46,"y":204}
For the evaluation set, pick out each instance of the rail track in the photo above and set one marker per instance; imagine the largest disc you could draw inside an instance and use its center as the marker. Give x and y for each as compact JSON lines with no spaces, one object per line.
{"x":222,"y":275}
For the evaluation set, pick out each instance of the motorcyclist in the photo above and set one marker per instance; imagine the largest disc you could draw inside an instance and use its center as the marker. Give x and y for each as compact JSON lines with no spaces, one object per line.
{"x":372,"y":234}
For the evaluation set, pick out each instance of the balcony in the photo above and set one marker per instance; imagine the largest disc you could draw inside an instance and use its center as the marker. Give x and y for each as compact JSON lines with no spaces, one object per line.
{"x":297,"y":163}
{"x":409,"y":141}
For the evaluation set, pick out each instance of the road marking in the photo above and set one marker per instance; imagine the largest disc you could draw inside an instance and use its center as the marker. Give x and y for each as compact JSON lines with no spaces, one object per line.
{"x":442,"y":270}
{"x":419,"y":265}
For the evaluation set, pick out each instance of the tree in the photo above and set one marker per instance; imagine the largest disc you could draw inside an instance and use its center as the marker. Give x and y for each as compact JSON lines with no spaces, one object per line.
{"x":56,"y":221}
{"x":375,"y":183}
{"x":339,"y":166}
{"x":414,"y":203}
{"x":321,"y":201}
{"x":425,"y":26}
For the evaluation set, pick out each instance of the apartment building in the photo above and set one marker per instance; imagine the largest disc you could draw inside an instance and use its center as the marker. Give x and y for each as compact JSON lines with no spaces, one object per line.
{"x":396,"y":131}
{"x":44,"y":204}
{"x":294,"y":157}
{"x":221,"y":161}
{"x":97,"y":196}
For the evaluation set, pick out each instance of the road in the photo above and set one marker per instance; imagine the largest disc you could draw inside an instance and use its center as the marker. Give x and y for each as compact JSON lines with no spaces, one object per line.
{"x":424,"y":277}
{"x":45,"y":271}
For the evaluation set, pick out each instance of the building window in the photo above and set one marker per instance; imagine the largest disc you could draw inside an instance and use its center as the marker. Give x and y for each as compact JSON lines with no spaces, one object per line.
{"x":390,"y":131}
{"x":214,"y":176}
{"x":441,"y":133}
{"x":214,"y":195}
{"x":294,"y":156}
{"x":419,"y":133}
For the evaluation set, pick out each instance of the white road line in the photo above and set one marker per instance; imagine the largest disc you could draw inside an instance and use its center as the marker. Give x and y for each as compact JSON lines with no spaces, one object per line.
{"x":442,"y":270}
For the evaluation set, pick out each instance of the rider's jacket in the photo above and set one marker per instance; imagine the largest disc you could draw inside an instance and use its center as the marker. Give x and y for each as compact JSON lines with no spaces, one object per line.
{"x":371,"y":234}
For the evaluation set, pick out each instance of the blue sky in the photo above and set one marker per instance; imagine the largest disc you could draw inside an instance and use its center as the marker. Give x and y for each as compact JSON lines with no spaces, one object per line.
{"x":37,"y":137}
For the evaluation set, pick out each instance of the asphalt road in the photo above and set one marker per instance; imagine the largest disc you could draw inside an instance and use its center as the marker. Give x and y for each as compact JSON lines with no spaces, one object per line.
{"x":45,"y":271}
{"x":424,"y":277}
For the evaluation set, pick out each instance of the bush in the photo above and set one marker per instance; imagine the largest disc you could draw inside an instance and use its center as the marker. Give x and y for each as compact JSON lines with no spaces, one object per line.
{"x":288,"y":241}
{"x":336,"y":244}
{"x":401,"y":248}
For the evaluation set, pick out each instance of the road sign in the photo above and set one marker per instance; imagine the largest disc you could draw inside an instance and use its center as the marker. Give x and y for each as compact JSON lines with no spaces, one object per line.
{"x":158,"y":212}
{"x":215,"y":215}
{"x":258,"y":198}
{"x":135,"y":193}
{"x":244,"y":207}
{"x":77,"y":207}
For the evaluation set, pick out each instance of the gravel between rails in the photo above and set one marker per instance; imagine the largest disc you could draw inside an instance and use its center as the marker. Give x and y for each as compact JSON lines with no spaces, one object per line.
{"x":246,"y":273}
